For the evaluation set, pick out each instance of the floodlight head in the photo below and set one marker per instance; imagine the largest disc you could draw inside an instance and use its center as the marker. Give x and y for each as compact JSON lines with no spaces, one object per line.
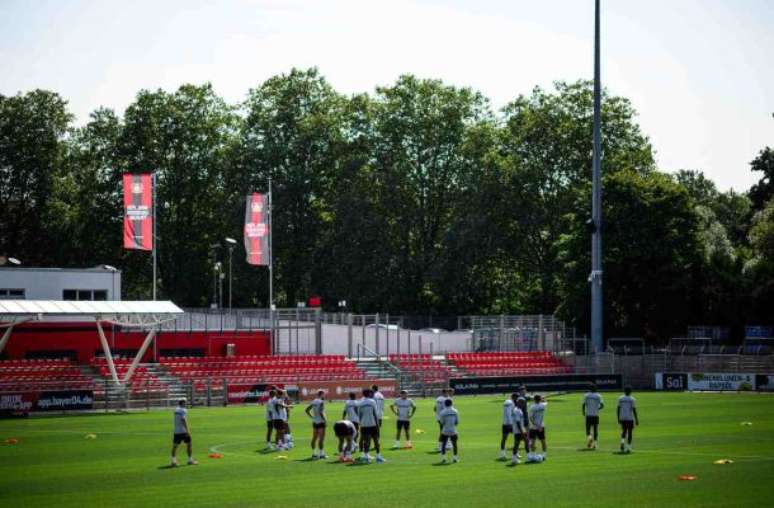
{"x":14,"y":261}
{"x":231,"y":240}
{"x":110,"y":268}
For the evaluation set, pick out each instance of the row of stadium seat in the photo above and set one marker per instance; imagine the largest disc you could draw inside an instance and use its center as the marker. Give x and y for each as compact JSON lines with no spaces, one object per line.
{"x":508,"y":363}
{"x":42,"y":374}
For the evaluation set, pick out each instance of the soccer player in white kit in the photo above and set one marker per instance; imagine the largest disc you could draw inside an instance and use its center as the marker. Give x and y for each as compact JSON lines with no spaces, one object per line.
{"x":316,"y":411}
{"x":269,"y":419}
{"x":440,"y":405}
{"x":350,"y":414}
{"x":536,"y":417}
{"x":405,"y":411}
{"x":379,"y":399}
{"x":182,"y":433}
{"x":507,"y":427}
{"x":519,"y":430}
{"x":627,"y":417}
{"x":450,"y":418}
{"x":369,"y":426}
{"x":592,"y":404}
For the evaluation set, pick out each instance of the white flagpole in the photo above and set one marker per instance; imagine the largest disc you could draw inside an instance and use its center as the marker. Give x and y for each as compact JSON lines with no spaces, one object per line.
{"x":271,"y":273}
{"x":155,"y":239}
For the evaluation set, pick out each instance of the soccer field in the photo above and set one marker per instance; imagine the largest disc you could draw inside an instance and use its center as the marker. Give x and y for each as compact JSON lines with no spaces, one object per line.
{"x":54,"y":464}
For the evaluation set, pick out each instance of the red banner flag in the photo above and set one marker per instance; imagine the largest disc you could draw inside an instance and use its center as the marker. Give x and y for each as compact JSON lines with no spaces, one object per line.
{"x":257,"y":229}
{"x":138,"y":211}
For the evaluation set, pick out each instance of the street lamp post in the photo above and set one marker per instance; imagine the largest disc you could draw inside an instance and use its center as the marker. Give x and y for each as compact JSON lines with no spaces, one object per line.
{"x":214,"y":248}
{"x":595,"y":278}
{"x":231,"y":245}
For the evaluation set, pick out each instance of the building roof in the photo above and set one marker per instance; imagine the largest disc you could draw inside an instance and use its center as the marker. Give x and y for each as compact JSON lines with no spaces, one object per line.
{"x":103,"y":310}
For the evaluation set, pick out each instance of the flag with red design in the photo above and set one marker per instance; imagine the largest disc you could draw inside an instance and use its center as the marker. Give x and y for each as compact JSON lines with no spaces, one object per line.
{"x":138,"y":211}
{"x":257,"y":229}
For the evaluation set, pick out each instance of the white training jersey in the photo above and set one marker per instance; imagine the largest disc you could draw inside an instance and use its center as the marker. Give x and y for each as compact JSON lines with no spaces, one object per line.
{"x":449,"y":418}
{"x":592,"y":401}
{"x":181,"y":414}
{"x":404,"y":409}
{"x":536,"y":414}
{"x":367,"y":412}
{"x":318,"y":406}
{"x":440,"y":406}
{"x":626,"y":406}
{"x":270,"y":409}
{"x":507,"y":412}
{"x":350,"y":406}
{"x":280,"y":411}
{"x":379,"y":399}
{"x":517,"y":419}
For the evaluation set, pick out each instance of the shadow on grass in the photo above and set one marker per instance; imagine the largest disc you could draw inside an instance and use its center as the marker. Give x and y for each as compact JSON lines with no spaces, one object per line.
{"x":436,"y":464}
{"x":168,"y":466}
{"x":587,"y":449}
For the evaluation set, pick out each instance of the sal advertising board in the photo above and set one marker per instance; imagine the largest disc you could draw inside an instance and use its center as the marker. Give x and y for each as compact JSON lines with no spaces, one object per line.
{"x":676,"y":381}
{"x":340,"y":389}
{"x":718,"y":382}
{"x":567,"y":382}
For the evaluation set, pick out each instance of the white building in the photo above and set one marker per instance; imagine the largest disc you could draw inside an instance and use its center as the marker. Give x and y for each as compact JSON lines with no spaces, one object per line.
{"x":21,"y":283}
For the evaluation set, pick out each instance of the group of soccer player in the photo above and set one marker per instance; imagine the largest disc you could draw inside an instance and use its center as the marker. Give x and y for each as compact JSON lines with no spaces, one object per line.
{"x":361,"y":422}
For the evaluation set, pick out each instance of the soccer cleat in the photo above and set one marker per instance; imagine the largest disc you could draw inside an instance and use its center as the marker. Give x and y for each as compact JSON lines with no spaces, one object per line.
{"x":502,"y":455}
{"x":192,"y":462}
{"x":515,"y":460}
{"x":174,"y":463}
{"x":455,"y":459}
{"x":623,"y":448}
{"x":443,"y":460}
{"x":397,"y":444}
{"x":314,"y":456}
{"x":323,"y":456}
{"x":380,"y":459}
{"x":409,"y":444}
{"x":589,"y":442}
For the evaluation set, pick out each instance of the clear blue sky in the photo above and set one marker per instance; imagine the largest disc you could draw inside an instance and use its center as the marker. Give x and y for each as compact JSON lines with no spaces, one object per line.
{"x":699,"y":72}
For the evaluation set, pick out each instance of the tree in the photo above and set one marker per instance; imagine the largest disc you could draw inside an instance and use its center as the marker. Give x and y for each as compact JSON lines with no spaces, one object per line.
{"x":292,"y":133}
{"x":761,"y":268}
{"x":185,"y":136}
{"x":546,"y":156}
{"x":652,"y":253}
{"x":762,"y":192}
{"x":33,"y":127}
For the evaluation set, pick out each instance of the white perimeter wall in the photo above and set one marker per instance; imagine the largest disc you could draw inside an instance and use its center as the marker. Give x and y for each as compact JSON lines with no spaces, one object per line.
{"x":335,"y":341}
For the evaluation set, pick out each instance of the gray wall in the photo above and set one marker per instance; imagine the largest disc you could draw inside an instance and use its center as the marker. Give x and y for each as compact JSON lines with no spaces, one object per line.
{"x":48,"y":283}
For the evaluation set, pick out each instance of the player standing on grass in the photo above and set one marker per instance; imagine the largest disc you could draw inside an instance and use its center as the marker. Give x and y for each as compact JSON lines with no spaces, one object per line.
{"x":405,"y":411}
{"x":592,"y":403}
{"x":508,"y":427}
{"x":519,"y":430}
{"x":369,"y":426}
{"x":379,"y":399}
{"x":537,"y":430}
{"x":182,"y":434}
{"x":269,"y":419}
{"x":286,"y":419}
{"x":316,"y":411}
{"x":440,"y":405}
{"x":280,"y":411}
{"x":450,"y":418}
{"x":627,"y":417}
{"x":350,"y":413}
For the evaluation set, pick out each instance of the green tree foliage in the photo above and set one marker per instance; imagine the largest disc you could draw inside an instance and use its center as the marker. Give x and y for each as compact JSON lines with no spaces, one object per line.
{"x":652,"y":251}
{"x":417,"y":198}
{"x":32,"y":132}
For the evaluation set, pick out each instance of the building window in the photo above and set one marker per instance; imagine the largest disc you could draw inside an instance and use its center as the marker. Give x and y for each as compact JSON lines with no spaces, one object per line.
{"x":12,"y":294}
{"x":84,"y":294}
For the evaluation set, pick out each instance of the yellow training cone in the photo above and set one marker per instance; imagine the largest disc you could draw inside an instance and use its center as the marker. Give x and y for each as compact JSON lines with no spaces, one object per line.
{"x":281,"y":457}
{"x":419,"y":431}
{"x":91,"y":436}
{"x":723,"y":461}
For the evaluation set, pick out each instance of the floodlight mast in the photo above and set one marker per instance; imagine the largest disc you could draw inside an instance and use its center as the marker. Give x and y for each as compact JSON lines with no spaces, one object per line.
{"x":597,"y":341}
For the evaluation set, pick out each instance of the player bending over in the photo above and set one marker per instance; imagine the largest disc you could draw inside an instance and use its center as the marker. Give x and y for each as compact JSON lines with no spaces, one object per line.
{"x":404,"y":409}
{"x":369,"y":426}
{"x":450,"y":418}
{"x":346,"y":432}
{"x":519,"y":430}
{"x":440,"y":405}
{"x":350,"y":413}
{"x":592,"y":404}
{"x":316,"y":411}
{"x":508,"y":427}
{"x":627,"y":417}
{"x":182,"y":434}
{"x":537,"y":430}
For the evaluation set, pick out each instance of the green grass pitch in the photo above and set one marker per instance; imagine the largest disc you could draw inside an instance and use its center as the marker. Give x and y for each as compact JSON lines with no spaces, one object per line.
{"x":53,"y":463}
